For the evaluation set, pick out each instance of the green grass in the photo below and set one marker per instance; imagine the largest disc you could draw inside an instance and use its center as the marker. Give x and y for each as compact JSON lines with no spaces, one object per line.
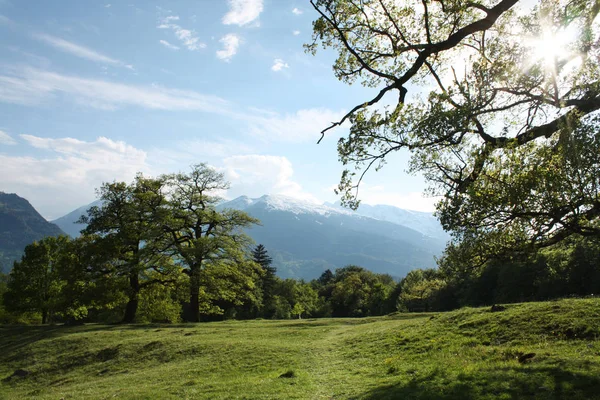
{"x":466,"y":354}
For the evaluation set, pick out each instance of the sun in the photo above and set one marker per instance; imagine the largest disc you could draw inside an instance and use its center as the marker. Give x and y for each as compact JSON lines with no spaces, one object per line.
{"x":553,"y":46}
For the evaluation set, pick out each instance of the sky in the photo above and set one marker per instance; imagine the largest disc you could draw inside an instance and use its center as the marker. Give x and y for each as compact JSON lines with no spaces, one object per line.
{"x":95,"y":91}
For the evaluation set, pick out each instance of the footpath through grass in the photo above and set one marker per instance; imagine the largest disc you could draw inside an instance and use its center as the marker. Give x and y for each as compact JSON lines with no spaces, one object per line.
{"x":545,"y":350}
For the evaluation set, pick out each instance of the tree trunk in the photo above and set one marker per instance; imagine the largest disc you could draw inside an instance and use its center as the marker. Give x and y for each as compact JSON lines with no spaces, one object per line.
{"x":44,"y":316}
{"x":134,"y":294}
{"x":194,"y":314}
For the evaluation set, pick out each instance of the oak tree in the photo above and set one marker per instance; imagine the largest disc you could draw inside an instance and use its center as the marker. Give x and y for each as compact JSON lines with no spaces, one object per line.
{"x":199,"y":235}
{"x":497,"y":101}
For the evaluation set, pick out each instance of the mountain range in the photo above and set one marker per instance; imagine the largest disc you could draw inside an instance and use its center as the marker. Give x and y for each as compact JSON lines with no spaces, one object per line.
{"x":20,"y":225}
{"x":304,"y":239}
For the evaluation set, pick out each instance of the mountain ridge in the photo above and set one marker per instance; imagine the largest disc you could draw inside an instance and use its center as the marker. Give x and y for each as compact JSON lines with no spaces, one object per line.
{"x":68,"y":222}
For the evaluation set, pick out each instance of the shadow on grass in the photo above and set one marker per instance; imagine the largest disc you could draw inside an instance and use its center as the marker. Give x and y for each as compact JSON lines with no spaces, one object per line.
{"x":506,"y":383}
{"x":14,"y":338}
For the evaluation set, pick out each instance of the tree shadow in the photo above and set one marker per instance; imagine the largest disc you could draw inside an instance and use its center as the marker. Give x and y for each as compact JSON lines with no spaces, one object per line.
{"x":518,"y":382}
{"x":15,"y":338}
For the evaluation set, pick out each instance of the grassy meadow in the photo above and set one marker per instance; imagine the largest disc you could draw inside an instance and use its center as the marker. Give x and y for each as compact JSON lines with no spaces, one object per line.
{"x":548,"y":350}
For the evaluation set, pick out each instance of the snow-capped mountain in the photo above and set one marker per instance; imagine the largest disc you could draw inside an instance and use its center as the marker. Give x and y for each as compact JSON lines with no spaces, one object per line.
{"x":284,"y":203}
{"x":306,"y":238}
{"x":423,"y":222}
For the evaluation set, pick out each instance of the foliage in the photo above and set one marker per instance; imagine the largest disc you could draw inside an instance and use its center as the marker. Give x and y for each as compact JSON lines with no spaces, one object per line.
{"x":467,"y":354}
{"x":356,"y":292}
{"x":90,"y":281}
{"x":162,"y":302}
{"x":566,"y":269}
{"x":130,"y":224}
{"x":34,"y":284}
{"x":3,"y":289}
{"x":506,"y":130}
{"x":419,"y":291}
{"x":305,"y":300}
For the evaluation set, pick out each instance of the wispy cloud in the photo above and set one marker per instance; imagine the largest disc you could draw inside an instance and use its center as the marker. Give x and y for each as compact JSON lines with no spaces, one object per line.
{"x":279,"y":65}
{"x":296,"y":33}
{"x":242,"y":12}
{"x":186,"y":36}
{"x":230,"y":42}
{"x":297,"y":11}
{"x":4,"y":20}
{"x":5,"y":138}
{"x":168,"y":45}
{"x":79,"y":51}
{"x":71,"y":167}
{"x":30,"y":86}
{"x":301,"y":126}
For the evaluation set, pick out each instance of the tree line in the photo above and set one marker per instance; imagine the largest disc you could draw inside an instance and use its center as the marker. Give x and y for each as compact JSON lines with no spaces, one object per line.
{"x":159,"y":249}
{"x":570,"y":268}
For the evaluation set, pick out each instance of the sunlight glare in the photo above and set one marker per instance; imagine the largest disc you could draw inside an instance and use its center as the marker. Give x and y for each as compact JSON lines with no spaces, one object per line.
{"x":551,"y":46}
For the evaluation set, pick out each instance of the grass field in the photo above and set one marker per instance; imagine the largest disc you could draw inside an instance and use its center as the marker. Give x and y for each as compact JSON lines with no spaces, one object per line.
{"x":466,"y":354}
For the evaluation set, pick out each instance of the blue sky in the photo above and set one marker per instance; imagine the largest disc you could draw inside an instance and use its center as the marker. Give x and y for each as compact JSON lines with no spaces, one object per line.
{"x":95,"y":91}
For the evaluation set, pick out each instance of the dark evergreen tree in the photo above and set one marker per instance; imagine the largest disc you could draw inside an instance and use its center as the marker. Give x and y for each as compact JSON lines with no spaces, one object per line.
{"x":268,"y":280}
{"x":325,"y":278}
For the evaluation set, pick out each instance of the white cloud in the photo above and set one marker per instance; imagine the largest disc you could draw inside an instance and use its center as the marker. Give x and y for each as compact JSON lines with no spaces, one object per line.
{"x":5,"y":138}
{"x":303,"y":125}
{"x":66,"y":176}
{"x":230,"y":42}
{"x":242,"y":12}
{"x":30,"y":86}
{"x":279,"y":64}
{"x":256,"y":175}
{"x":415,"y":201}
{"x":79,"y":51}
{"x":168,"y":45}
{"x":297,"y":11}
{"x":187,"y":37}
{"x":296,"y":33}
{"x":107,"y":5}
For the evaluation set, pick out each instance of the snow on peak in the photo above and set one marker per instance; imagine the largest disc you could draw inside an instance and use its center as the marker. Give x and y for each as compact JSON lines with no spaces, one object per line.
{"x":284,"y":203}
{"x":239,"y":203}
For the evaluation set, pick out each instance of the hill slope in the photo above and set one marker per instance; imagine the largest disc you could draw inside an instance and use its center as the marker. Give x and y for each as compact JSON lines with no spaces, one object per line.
{"x":20,"y":225}
{"x":530,"y":351}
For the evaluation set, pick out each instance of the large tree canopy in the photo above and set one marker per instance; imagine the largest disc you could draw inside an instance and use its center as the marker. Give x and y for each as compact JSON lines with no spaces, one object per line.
{"x":496,"y":100}
{"x":200,"y":236}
